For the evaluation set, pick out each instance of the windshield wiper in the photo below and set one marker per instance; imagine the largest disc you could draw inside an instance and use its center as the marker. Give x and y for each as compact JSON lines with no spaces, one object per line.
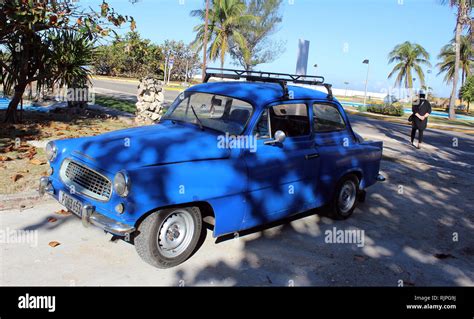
{"x":197,"y":117}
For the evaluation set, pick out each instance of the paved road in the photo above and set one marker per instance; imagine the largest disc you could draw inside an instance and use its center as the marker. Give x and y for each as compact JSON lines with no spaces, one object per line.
{"x":125,"y":90}
{"x":450,"y":150}
{"x":408,"y":237}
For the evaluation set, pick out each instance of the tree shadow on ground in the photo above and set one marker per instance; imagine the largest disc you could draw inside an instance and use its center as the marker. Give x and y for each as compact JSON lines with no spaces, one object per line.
{"x":407,"y":221}
{"x":33,"y":122}
{"x":418,"y":231}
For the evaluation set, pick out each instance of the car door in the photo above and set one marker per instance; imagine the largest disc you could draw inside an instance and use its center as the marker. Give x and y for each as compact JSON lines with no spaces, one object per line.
{"x":334,"y":143}
{"x":281,"y":175}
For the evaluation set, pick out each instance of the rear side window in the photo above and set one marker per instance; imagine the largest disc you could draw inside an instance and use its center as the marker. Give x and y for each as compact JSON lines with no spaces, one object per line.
{"x":327,"y":118}
{"x":290,"y":118}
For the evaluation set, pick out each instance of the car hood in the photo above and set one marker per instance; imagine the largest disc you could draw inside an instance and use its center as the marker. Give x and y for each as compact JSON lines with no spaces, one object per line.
{"x":157,"y":144}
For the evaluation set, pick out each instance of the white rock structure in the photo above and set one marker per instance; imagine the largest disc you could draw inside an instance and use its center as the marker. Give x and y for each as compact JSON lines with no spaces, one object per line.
{"x":150,"y":100}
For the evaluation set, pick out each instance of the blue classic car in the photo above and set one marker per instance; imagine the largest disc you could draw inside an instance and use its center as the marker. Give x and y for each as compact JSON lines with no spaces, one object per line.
{"x":228,"y":155}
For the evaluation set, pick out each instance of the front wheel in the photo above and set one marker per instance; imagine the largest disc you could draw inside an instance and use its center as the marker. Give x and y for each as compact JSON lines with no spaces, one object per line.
{"x":168,"y":237}
{"x":345,"y":197}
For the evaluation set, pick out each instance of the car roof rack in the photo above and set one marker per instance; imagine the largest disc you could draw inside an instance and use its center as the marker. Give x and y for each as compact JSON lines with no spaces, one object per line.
{"x":270,"y":77}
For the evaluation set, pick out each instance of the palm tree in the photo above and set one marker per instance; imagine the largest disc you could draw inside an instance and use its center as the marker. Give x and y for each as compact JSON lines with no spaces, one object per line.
{"x":72,"y":54}
{"x":463,"y":18}
{"x":226,"y":19}
{"x":410,"y":57}
{"x":448,"y":59}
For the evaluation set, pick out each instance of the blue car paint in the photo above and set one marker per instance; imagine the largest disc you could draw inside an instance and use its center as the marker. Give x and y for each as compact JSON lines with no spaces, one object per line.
{"x":174,"y":163}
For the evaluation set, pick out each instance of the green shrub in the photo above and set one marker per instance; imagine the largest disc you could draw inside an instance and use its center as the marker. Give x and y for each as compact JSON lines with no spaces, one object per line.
{"x":395,"y":109}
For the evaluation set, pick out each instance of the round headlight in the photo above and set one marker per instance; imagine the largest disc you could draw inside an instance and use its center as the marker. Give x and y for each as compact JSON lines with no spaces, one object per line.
{"x":122,"y":183}
{"x":51,"y":151}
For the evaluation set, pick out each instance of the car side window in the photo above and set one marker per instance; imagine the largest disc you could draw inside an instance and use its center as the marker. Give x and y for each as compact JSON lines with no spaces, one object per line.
{"x":261,"y":130}
{"x":326,"y":118}
{"x":292,"y":119}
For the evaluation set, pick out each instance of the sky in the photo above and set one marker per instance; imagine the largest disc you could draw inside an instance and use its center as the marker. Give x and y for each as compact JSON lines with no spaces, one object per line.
{"x":342,"y":33}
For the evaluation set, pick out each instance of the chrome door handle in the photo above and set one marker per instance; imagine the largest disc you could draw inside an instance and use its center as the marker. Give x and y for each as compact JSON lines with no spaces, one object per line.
{"x":311,"y":156}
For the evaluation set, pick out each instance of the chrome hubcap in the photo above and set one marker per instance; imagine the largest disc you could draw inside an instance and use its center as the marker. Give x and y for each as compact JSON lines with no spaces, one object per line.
{"x":347,"y":196}
{"x":176,"y":233}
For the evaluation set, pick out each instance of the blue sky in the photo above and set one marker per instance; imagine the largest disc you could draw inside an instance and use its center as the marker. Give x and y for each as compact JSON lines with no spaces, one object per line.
{"x":342,"y":34}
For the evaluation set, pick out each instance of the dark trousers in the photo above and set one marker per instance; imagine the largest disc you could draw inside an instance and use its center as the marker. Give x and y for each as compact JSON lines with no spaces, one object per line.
{"x":420,"y":134}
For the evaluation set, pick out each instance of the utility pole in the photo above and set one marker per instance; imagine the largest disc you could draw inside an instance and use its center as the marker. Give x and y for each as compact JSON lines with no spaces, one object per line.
{"x":166,"y":68}
{"x":366,"y":81}
{"x":186,"y":74}
{"x":170,"y":67}
{"x":204,"y":58}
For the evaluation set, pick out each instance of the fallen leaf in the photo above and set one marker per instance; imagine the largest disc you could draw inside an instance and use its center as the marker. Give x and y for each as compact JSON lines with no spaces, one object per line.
{"x":8,"y":148}
{"x":5,"y":158}
{"x":31,"y":154}
{"x":59,"y":133}
{"x":36,"y":161}
{"x":52,"y":220}
{"x":54,"y":244}
{"x":16,"y":177}
{"x":63,"y":212}
{"x":24,"y":148}
{"x":360,"y":258}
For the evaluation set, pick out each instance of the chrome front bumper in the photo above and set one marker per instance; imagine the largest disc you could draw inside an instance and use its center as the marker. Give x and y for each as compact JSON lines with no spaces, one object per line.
{"x":89,"y":216}
{"x":45,"y":186}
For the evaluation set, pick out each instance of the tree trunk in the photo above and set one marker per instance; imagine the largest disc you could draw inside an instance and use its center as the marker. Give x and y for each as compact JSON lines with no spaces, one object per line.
{"x":409,"y":83}
{"x":11,"y":116}
{"x":463,"y":78}
{"x":452,"y":100}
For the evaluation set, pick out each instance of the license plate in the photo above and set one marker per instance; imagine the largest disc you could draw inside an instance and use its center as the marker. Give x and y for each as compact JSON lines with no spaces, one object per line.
{"x":70,"y":203}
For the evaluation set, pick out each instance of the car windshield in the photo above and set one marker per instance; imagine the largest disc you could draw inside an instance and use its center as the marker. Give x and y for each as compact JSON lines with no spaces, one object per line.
{"x":220,"y":113}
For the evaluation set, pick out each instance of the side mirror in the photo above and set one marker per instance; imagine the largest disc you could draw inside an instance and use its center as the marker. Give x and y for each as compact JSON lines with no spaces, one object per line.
{"x":280,"y":137}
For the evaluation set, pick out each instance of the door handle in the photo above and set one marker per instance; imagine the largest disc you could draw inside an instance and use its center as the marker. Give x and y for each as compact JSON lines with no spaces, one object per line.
{"x":311,"y":156}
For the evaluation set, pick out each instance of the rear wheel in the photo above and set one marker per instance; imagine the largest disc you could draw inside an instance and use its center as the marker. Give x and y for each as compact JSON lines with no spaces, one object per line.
{"x":345,"y":197}
{"x":169,"y":237}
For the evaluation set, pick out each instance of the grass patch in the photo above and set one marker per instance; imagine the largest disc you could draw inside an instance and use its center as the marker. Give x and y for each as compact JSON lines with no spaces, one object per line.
{"x":116,"y":104}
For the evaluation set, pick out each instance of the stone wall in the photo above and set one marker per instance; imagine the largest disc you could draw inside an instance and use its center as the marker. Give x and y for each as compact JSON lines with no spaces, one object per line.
{"x":150,"y":100}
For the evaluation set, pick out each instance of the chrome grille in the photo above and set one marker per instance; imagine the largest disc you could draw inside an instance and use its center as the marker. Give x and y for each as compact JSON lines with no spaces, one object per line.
{"x":89,"y":180}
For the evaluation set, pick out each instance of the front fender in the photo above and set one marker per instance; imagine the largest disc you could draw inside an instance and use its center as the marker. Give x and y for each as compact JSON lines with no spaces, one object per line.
{"x":213,"y":181}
